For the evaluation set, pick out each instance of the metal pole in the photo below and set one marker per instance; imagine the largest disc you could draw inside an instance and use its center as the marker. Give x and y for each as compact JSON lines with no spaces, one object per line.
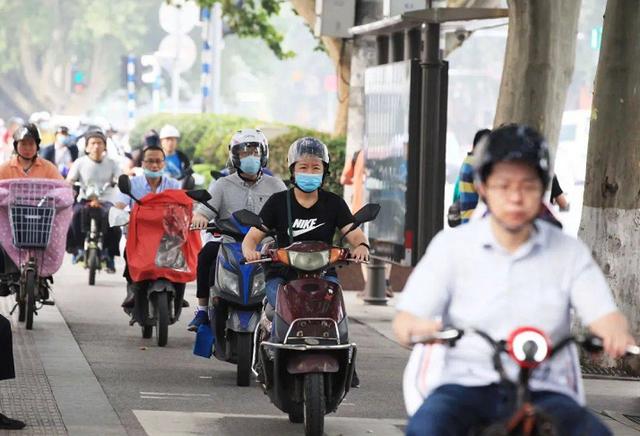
{"x":175,"y":73}
{"x":205,"y":55}
{"x":217,"y":46}
{"x":431,"y":158}
{"x":376,"y":284}
{"x":131,"y":90}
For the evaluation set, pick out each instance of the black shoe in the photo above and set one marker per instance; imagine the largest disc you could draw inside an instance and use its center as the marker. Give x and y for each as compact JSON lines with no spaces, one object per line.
{"x":129,"y":300}
{"x":185,"y":303}
{"x":7,"y":423}
{"x":4,"y":290}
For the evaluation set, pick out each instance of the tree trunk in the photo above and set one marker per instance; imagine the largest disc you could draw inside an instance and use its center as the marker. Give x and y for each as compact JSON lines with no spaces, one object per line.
{"x":339,"y":51}
{"x":611,"y":212}
{"x":538,"y":64}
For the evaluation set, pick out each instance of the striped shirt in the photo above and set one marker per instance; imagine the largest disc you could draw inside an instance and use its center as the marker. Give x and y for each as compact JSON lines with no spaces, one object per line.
{"x":468,"y":196}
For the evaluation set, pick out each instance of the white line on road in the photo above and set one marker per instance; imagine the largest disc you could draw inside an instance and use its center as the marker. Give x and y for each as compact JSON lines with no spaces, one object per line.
{"x":174,"y":395}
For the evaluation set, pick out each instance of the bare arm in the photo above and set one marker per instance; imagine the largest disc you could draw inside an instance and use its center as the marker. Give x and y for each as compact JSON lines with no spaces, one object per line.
{"x":250,"y":242}
{"x":355,"y":239}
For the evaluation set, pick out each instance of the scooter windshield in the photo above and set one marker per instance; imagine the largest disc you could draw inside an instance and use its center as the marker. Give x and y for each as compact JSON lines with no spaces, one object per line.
{"x":175,"y":222}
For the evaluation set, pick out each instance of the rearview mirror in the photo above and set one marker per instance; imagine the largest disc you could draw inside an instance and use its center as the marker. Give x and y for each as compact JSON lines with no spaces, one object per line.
{"x":124,"y":184}
{"x":248,"y":218}
{"x":369,"y":212}
{"x":199,"y":195}
{"x":216,"y":174}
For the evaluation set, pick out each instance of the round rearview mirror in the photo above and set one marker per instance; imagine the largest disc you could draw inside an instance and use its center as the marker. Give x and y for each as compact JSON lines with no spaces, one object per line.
{"x":528,"y":346}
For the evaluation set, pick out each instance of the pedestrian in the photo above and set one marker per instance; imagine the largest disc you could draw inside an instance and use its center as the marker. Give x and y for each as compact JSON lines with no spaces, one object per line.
{"x":465,"y":194}
{"x":353,"y":174}
{"x":557,"y":195}
{"x":7,"y":370}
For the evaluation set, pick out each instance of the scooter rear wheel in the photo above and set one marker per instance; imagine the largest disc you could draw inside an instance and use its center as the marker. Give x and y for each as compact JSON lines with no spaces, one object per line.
{"x":296,"y":415}
{"x":147,"y":331}
{"x":314,"y":404}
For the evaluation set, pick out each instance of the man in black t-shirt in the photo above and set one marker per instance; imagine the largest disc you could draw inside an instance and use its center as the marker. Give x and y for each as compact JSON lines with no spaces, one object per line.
{"x":315,"y":213}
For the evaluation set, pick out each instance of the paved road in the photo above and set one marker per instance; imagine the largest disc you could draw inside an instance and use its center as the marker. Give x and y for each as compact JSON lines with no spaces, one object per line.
{"x":162,"y":391}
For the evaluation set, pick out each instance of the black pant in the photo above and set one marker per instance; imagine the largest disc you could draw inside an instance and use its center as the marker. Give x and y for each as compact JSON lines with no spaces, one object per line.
{"x":80,"y":226}
{"x":206,"y":272}
{"x":7,"y":369}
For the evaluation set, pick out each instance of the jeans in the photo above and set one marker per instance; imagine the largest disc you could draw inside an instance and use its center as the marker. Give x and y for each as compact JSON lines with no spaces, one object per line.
{"x":272,"y":285}
{"x":453,"y":410}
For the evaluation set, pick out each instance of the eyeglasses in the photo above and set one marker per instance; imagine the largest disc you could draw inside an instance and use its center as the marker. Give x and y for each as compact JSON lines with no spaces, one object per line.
{"x":153,"y":161}
{"x":525,"y":189}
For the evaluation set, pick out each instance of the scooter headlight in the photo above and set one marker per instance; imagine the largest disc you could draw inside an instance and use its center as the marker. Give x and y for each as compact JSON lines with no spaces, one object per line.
{"x":309,"y":261}
{"x":228,"y":281}
{"x":258,"y":284}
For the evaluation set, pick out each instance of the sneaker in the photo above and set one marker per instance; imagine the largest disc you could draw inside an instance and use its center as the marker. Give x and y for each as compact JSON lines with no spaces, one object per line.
{"x":201,"y":318}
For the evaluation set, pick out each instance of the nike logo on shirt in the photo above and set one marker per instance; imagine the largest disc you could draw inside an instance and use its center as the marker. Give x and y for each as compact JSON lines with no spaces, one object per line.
{"x":305,"y":226}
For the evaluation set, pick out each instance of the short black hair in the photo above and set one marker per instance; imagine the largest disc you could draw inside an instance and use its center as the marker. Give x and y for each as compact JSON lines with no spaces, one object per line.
{"x":479,"y":135}
{"x":153,"y":148}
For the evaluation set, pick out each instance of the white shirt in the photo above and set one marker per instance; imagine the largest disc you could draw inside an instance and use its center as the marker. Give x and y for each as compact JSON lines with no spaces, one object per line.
{"x":91,"y":173}
{"x":469,"y":280}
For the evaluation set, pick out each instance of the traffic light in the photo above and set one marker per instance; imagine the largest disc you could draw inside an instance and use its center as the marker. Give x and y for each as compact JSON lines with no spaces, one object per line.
{"x":78,"y":79}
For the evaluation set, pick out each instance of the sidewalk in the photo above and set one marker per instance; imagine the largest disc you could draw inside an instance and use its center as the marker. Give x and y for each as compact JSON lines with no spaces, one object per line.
{"x":615,"y":401}
{"x":54,"y":392}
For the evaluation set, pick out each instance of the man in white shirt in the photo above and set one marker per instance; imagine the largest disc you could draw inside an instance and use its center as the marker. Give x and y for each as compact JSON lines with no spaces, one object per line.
{"x":96,"y":173}
{"x":498,"y":273}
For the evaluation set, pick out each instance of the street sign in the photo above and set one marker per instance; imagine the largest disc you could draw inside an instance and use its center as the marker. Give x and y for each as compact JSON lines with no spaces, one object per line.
{"x":179,"y":20}
{"x":150,"y":74}
{"x":176,"y":50}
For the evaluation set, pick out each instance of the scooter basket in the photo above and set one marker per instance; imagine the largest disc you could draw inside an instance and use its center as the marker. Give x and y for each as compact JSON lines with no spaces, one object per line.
{"x":31,"y":225}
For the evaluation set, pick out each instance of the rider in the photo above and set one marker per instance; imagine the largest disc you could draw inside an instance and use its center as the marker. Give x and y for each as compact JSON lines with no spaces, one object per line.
{"x":498,"y":273}
{"x":176,"y":161}
{"x":97,"y":170}
{"x":315,"y":213}
{"x":247,"y":188}
{"x":25,"y":163}
{"x":62,"y":152}
{"x":152,"y":181}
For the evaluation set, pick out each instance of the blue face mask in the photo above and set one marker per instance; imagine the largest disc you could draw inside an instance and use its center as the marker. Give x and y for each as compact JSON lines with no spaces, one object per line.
{"x":250,"y":165}
{"x":308,"y":182}
{"x":152,"y":174}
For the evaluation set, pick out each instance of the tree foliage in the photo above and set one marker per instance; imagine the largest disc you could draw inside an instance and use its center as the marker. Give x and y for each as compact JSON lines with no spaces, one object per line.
{"x":250,"y":18}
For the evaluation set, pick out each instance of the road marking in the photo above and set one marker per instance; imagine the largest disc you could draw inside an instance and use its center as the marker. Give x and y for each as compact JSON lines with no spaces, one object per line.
{"x":171,"y":423}
{"x":207,"y":377}
{"x":174,"y":395}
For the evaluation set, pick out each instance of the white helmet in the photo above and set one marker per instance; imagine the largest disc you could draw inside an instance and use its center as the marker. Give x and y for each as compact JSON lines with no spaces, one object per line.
{"x":169,"y":131}
{"x":245,"y":137}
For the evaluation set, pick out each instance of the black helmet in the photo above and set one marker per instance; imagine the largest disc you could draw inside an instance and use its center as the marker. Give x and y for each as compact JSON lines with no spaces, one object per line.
{"x":95,"y":134}
{"x":151,"y":138}
{"x":308,"y":146}
{"x":513,"y":142}
{"x":26,"y":130}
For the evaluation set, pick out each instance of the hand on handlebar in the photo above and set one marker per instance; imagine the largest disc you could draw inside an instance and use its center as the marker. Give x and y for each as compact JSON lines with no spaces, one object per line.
{"x":199,"y":221}
{"x":360,"y":253}
{"x":251,"y":256}
{"x":407,"y":327}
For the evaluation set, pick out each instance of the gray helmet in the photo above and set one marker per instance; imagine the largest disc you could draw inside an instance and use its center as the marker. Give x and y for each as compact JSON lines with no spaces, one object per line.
{"x":245,"y":138}
{"x":308,"y":146}
{"x":26,"y":130}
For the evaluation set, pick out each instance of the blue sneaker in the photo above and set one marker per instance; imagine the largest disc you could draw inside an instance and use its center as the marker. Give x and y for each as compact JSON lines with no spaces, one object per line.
{"x":202,"y":317}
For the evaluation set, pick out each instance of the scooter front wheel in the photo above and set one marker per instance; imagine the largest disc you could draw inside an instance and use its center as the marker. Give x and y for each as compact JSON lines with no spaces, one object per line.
{"x":92,"y":264}
{"x":162,"y":318}
{"x":30,"y":292}
{"x":314,"y":404}
{"x":244,"y":343}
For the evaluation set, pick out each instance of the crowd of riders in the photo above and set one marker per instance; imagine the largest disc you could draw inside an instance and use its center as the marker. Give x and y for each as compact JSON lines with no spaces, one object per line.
{"x":474,"y":275}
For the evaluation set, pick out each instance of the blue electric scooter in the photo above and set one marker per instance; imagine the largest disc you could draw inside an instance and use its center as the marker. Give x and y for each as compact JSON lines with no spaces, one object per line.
{"x":236,"y":300}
